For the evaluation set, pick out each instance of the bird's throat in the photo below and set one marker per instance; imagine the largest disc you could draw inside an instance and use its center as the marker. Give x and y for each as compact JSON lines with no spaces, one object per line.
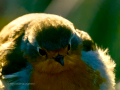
{"x":78,"y":78}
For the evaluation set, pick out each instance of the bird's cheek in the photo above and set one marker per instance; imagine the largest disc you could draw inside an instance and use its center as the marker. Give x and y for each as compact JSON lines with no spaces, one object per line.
{"x":35,"y":61}
{"x":76,"y":51}
{"x":46,"y":66}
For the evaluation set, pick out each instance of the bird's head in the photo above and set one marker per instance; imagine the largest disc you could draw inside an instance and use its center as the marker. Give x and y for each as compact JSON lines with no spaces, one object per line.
{"x":51,"y":44}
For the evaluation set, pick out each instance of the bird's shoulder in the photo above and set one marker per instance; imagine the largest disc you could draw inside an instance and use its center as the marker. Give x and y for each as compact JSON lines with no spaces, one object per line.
{"x":87,"y":42}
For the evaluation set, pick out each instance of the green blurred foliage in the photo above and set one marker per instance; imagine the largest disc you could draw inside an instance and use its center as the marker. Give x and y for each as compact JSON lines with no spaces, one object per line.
{"x":35,"y":5}
{"x":105,"y":29}
{"x":11,"y":9}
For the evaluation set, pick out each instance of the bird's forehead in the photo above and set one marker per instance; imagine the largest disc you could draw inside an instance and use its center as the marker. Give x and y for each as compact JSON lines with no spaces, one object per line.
{"x":52,"y":34}
{"x":51,"y":38}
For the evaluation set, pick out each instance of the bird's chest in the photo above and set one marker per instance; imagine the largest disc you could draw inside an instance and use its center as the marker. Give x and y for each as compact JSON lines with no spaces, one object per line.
{"x":55,"y":82}
{"x":85,"y":79}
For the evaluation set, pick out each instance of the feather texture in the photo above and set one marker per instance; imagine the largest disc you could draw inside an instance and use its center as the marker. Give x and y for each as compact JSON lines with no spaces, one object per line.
{"x":23,"y":67}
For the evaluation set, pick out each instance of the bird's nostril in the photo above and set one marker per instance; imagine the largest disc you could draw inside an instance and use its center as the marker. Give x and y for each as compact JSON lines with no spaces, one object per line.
{"x":59,"y":56}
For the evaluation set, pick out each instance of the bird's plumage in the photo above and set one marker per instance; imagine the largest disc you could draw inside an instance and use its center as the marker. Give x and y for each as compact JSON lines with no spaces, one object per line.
{"x":47,"y":52}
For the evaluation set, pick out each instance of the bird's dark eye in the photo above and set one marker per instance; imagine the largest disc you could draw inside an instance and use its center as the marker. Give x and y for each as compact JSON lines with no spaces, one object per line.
{"x":88,"y":45}
{"x":42,"y":52}
{"x":68,"y":47}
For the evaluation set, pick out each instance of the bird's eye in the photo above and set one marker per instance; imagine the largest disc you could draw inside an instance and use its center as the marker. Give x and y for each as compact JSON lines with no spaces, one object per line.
{"x":68,"y":52}
{"x":68,"y":47}
{"x":42,"y":52}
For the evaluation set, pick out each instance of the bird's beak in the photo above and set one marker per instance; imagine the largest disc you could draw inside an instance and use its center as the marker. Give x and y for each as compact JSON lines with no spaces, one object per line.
{"x":59,"y":58}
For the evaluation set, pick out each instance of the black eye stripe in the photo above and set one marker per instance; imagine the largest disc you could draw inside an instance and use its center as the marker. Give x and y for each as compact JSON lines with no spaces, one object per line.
{"x":42,"y":52}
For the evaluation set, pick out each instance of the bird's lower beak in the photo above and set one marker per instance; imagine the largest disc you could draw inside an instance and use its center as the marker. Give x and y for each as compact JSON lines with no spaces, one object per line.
{"x":59,"y":59}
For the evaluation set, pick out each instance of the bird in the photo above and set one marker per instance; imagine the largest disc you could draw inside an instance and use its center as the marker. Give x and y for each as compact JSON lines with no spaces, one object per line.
{"x":40,"y":51}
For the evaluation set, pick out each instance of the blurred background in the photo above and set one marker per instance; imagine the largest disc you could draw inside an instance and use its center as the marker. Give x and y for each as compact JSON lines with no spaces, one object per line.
{"x":100,"y":18}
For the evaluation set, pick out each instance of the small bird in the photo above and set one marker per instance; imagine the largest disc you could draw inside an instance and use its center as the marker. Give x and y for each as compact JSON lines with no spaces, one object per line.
{"x":41,"y":51}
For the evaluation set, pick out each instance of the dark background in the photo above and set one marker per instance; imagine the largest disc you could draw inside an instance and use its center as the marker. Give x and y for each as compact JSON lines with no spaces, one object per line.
{"x":100,"y":18}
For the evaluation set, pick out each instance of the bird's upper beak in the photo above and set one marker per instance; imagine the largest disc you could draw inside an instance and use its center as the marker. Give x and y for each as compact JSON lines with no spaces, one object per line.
{"x":59,"y":58}
{"x":58,"y":55}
